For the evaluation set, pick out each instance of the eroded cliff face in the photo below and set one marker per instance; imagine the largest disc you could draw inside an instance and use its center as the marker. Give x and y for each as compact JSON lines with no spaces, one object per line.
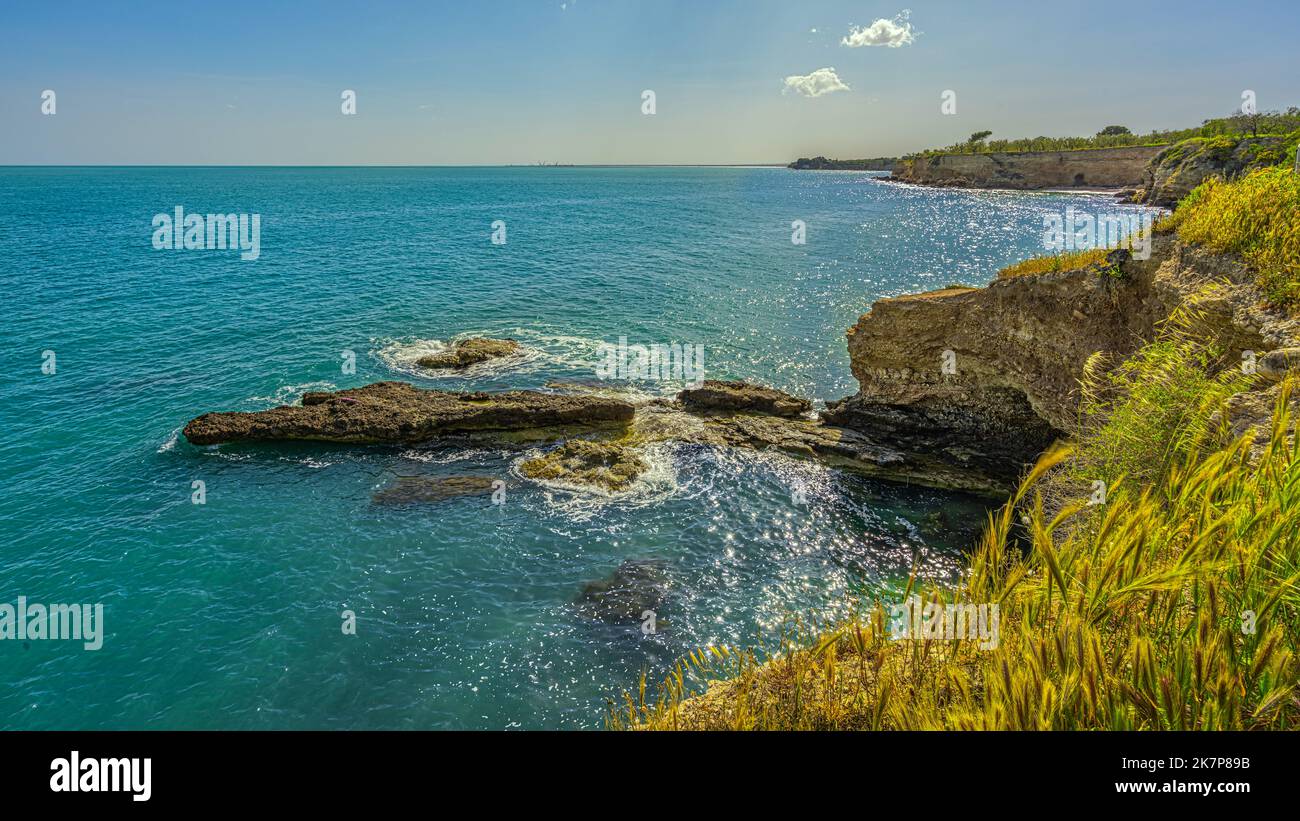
{"x":1015,"y":352}
{"x":1178,"y":169}
{"x":1093,"y":168}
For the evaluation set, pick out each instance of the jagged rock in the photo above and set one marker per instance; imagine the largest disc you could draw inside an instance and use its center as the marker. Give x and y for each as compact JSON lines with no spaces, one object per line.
{"x":605,"y":465}
{"x":990,"y":433}
{"x":410,"y":490}
{"x":861,"y":451}
{"x":1277,"y":365}
{"x":637,"y":585}
{"x":470,"y":352}
{"x":398,"y":413}
{"x":732,"y":397}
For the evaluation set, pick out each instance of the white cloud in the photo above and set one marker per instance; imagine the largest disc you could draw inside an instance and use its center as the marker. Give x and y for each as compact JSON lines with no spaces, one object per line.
{"x":892,"y":33}
{"x":822,"y":81}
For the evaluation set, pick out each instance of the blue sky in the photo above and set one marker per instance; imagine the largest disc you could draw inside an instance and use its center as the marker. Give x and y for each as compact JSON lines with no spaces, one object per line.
{"x":235,"y":82}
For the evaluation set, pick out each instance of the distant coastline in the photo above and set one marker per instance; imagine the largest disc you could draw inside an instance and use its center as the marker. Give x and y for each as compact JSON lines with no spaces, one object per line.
{"x":823,"y":164}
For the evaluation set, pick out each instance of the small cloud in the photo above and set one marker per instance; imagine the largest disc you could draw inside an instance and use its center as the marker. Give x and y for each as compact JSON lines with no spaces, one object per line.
{"x":822,"y":81}
{"x":893,"y":33}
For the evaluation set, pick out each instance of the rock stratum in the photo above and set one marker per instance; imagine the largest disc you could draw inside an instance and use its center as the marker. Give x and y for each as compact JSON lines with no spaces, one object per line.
{"x":596,"y":439}
{"x":1027,"y":170}
{"x":399,"y":413}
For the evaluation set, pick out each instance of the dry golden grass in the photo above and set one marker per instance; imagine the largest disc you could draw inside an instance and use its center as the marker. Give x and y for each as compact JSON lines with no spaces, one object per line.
{"x":1051,"y":263}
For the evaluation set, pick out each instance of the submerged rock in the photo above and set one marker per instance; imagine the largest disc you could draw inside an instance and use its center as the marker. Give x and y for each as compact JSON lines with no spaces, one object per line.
{"x":399,"y":413}
{"x":605,"y":465}
{"x":637,"y":585}
{"x":470,"y":352}
{"x":737,"y":396}
{"x":412,"y":490}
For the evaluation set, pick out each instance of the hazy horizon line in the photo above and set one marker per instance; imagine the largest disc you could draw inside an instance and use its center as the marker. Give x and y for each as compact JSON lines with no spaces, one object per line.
{"x":398,"y":165}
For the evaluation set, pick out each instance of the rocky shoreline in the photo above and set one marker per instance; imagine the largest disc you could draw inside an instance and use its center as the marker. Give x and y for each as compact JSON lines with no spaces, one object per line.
{"x":1158,"y":175}
{"x":959,"y":388}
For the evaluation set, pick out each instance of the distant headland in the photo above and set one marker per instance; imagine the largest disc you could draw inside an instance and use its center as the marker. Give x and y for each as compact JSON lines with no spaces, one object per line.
{"x":823,"y":164}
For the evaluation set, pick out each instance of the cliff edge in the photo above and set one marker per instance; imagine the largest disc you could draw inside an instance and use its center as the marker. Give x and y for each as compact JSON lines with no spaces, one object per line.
{"x":1027,"y":170}
{"x":984,"y":379}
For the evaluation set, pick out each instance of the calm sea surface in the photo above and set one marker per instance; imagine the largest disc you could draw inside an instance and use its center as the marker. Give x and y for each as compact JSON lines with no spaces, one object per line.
{"x":228,"y":614}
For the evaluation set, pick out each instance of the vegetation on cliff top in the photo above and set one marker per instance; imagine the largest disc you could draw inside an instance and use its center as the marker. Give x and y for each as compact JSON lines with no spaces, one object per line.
{"x":1051,"y":263}
{"x":1256,"y":217}
{"x":1172,"y":605}
{"x":1279,"y":123}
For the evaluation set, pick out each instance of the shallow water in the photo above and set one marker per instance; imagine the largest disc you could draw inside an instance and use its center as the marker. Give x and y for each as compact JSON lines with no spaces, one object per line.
{"x":227,"y":614}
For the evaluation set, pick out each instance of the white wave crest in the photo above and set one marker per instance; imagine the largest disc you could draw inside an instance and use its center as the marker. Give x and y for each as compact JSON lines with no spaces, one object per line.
{"x":291,"y":394}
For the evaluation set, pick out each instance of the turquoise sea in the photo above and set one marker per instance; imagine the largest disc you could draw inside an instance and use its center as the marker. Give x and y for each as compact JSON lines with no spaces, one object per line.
{"x":228,"y":614}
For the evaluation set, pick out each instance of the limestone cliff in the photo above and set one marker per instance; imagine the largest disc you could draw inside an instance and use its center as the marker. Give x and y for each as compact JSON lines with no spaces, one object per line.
{"x":1099,"y":167}
{"x":1015,"y":352}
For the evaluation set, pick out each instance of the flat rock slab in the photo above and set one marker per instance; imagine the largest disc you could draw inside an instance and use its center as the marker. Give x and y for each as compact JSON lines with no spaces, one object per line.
{"x":399,"y":413}
{"x":717,"y":396}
